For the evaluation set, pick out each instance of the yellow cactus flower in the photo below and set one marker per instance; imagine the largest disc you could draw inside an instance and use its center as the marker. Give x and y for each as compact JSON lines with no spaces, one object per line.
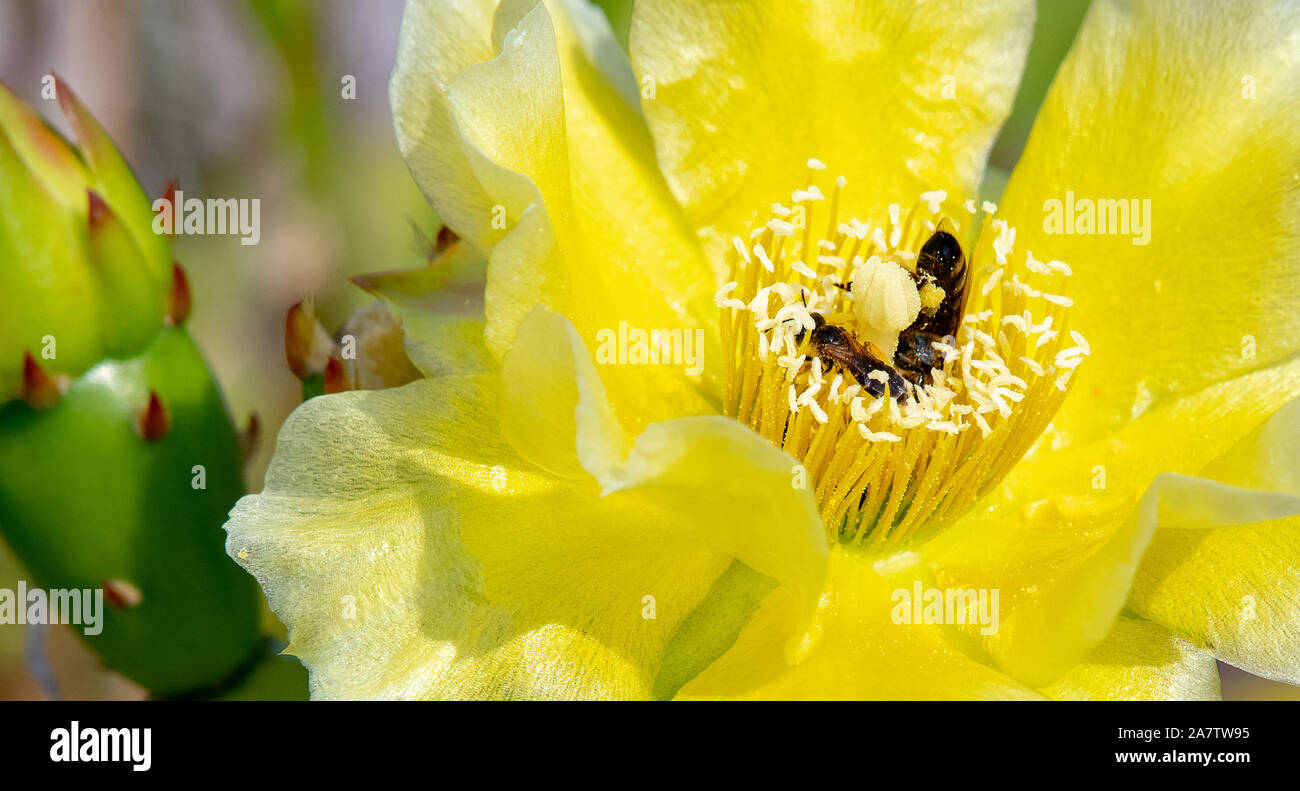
{"x":1050,"y":454}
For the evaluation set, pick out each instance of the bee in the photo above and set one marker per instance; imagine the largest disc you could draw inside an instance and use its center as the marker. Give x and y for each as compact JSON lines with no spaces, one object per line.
{"x":839,"y":346}
{"x":942,"y":263}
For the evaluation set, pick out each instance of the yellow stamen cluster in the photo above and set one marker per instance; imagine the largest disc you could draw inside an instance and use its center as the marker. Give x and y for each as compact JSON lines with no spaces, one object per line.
{"x":884,"y":469}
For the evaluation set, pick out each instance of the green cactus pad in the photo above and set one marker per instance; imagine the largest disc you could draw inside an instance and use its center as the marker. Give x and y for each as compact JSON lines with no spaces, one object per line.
{"x":85,"y":498}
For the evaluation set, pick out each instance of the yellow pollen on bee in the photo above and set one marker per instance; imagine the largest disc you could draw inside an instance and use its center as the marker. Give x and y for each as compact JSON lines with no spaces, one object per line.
{"x":883,"y":470}
{"x":931,"y":297}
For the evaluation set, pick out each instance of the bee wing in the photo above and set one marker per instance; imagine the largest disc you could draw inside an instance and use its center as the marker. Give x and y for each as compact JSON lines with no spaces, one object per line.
{"x":866,"y":359}
{"x":839,"y":354}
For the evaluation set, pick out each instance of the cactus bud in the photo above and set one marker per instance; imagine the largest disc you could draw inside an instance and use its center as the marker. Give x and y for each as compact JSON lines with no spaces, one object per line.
{"x":110,"y":176}
{"x":78,"y":257}
{"x":307,"y":346}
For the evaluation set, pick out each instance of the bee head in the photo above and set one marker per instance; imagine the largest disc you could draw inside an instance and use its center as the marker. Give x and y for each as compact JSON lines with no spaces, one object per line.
{"x":830,"y":335}
{"x":818,"y":324}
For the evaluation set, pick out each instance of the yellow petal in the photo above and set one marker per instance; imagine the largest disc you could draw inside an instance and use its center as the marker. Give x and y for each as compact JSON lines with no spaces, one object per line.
{"x":1267,"y":458}
{"x":516,"y":143}
{"x":726,"y":477}
{"x":554,"y":409}
{"x":1235,"y":590}
{"x":1195,"y":109}
{"x":412,"y":552}
{"x":1065,"y":566}
{"x":714,"y":625}
{"x":897,"y":99}
{"x":438,"y":40}
{"x":1140,"y":660}
{"x":859,"y":650}
{"x":1181,"y":435}
{"x":556,"y":413}
{"x":585,"y":222}
{"x":1060,"y":534}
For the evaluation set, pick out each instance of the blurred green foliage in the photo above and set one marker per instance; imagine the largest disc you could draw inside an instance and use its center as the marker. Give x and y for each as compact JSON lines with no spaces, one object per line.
{"x":293,"y":29}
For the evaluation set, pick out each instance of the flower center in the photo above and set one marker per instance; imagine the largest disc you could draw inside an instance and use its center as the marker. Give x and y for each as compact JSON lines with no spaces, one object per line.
{"x":905,"y":375}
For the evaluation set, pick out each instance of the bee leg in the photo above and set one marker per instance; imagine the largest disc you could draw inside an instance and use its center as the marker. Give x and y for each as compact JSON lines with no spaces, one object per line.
{"x":916,"y":357}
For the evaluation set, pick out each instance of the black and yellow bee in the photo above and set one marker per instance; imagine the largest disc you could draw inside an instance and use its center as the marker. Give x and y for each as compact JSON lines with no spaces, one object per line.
{"x":942,"y":263}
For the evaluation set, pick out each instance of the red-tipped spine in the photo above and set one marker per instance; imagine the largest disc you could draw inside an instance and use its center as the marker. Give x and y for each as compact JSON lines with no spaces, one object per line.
{"x":169,"y":195}
{"x":40,"y":391}
{"x":97,"y":210}
{"x":179,"y":302}
{"x":336,"y":379}
{"x":154,"y":422}
{"x":120,"y":594}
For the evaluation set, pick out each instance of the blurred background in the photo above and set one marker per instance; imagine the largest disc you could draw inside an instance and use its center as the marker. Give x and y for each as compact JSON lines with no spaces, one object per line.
{"x":250,"y":98}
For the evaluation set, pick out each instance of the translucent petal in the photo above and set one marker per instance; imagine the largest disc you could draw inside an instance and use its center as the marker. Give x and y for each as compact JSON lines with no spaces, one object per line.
{"x":1193,"y":112}
{"x":1065,"y":568}
{"x":860,"y":647}
{"x":578,"y":216}
{"x":1140,"y":660}
{"x":896,"y":98}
